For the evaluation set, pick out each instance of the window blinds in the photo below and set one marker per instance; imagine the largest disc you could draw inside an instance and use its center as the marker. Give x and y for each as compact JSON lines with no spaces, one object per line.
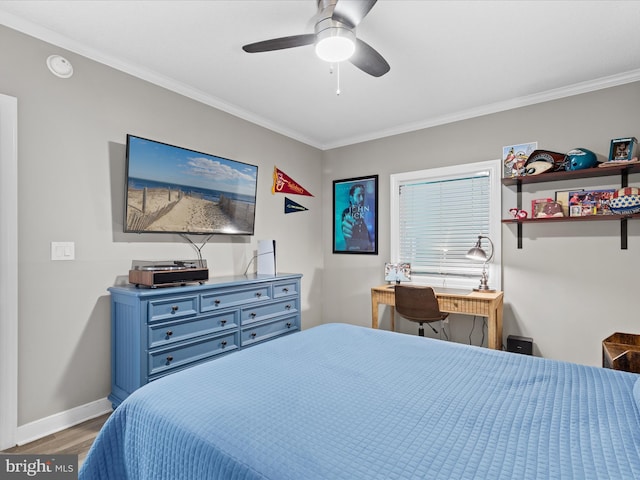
{"x":439,"y":221}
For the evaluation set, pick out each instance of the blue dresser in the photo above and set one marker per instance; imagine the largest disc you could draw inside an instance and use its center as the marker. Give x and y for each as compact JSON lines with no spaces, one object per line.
{"x":158,"y":331}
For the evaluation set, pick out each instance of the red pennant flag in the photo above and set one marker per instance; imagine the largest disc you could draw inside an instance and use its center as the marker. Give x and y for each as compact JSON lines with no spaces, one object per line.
{"x":283,"y":183}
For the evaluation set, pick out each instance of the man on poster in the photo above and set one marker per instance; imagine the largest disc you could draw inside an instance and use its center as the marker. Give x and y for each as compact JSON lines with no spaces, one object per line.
{"x":356,"y":234}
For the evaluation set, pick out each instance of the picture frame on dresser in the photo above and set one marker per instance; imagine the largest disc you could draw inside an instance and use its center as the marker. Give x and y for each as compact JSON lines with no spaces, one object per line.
{"x":355,"y":215}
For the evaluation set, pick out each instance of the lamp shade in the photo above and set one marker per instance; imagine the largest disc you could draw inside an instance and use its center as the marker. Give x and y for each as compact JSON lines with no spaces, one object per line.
{"x":335,"y":45}
{"x":477,"y":253}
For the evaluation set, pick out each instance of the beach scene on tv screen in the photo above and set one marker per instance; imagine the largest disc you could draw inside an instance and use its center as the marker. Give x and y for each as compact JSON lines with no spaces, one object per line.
{"x":173,"y":189}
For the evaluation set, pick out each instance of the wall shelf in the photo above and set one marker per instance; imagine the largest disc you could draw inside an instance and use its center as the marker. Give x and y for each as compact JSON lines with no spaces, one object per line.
{"x":622,"y":170}
{"x":590,"y":218}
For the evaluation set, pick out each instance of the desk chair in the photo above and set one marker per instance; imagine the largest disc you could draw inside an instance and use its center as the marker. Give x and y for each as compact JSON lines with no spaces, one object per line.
{"x":418,"y":304}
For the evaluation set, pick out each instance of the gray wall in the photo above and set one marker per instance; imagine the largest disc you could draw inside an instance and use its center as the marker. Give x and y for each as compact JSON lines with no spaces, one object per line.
{"x":571,"y":285}
{"x":568,"y":288}
{"x":71,"y":160}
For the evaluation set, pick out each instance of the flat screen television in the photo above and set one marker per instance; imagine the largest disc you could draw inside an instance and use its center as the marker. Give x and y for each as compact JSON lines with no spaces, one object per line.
{"x":171,"y":189}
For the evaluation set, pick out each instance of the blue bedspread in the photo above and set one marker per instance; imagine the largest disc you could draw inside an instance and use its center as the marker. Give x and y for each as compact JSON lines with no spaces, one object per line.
{"x":345,"y":402}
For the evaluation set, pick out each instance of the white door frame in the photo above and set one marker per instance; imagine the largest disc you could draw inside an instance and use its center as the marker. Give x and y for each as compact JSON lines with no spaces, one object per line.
{"x":8,"y":271}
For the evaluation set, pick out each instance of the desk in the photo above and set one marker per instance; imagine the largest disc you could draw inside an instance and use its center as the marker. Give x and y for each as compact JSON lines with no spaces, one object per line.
{"x":453,"y":301}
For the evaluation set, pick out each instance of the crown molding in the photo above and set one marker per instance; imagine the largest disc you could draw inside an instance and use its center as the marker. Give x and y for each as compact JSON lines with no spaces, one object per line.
{"x":549,"y":95}
{"x":155,"y":78}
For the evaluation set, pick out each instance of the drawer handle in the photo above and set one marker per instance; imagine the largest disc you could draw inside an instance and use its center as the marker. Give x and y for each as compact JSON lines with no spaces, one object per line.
{"x":253,"y":334}
{"x":222,"y":322}
{"x":258,"y":294}
{"x":169,"y":333}
{"x":252,"y":315}
{"x":174,"y":308}
{"x":287,"y":306}
{"x":288,"y":324}
{"x":169,"y":359}
{"x":285,"y":290}
{"x":223,"y":343}
{"x":216,"y":302}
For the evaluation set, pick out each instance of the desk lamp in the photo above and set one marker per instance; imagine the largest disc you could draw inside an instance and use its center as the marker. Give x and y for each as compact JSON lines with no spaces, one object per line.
{"x":478,"y":254}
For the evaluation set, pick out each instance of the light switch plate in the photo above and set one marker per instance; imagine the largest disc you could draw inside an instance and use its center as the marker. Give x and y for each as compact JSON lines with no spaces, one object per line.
{"x":63,"y":251}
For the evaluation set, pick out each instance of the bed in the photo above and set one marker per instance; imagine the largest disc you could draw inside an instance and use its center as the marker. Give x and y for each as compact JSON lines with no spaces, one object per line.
{"x":345,"y":402}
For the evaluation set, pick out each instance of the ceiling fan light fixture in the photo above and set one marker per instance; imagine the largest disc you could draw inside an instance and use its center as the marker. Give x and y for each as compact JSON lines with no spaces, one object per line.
{"x":335,"y":45}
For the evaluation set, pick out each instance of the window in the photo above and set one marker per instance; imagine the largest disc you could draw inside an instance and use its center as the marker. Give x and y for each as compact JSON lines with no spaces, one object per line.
{"x":436,"y":217}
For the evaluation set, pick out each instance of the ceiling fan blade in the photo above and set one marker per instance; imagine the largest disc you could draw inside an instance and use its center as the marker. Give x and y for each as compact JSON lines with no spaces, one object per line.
{"x":280,"y":43}
{"x":367,"y":59}
{"x":351,"y":12}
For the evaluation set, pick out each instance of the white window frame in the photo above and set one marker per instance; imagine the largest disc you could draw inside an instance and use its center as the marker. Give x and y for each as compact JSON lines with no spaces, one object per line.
{"x":491,"y":167}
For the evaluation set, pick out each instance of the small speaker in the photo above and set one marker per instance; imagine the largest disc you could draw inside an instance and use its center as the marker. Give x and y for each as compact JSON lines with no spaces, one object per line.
{"x":523,"y":345}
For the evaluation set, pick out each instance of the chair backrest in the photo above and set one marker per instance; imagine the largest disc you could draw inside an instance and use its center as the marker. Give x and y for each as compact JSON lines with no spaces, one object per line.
{"x":417,"y":303}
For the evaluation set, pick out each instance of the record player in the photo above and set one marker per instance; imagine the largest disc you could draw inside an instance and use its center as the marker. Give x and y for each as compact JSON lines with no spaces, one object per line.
{"x":168,"y":272}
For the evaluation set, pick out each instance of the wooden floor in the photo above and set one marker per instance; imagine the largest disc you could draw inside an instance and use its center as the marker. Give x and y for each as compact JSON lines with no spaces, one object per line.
{"x":75,"y":440}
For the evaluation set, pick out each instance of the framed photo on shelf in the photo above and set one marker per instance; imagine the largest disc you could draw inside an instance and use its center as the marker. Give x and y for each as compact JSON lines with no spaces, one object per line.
{"x":537,"y":206}
{"x":545,"y":208}
{"x":515,"y":156}
{"x":590,"y":202}
{"x":355,"y":215}
{"x":562,"y":197}
{"x":622,"y":149}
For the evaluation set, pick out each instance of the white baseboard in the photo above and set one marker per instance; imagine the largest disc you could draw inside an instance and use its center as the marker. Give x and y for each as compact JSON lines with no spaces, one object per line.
{"x":60,"y":421}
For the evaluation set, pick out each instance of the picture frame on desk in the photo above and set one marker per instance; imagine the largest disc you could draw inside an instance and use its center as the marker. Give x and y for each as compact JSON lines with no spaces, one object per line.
{"x":355,"y":215}
{"x":397,"y":272}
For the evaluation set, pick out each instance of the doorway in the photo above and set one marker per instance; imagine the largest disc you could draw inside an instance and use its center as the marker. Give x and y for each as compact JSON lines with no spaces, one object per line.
{"x":8,"y":271}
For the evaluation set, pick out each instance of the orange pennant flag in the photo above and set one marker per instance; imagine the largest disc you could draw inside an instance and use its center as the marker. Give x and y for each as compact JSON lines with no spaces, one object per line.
{"x":283,"y":183}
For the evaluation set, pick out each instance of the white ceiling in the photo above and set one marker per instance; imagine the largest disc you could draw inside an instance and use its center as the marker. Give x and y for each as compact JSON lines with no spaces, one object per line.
{"x":449,"y":60}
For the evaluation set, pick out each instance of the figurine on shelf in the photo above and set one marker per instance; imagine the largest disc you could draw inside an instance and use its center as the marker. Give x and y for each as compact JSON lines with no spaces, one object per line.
{"x":518,"y":214}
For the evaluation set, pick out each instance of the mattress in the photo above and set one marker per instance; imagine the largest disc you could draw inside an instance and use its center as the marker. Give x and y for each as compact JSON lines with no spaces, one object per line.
{"x":345,"y":402}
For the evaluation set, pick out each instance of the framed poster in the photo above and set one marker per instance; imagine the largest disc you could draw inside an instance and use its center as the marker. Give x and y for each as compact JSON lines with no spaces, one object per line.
{"x":355,"y":215}
{"x":514,"y":158}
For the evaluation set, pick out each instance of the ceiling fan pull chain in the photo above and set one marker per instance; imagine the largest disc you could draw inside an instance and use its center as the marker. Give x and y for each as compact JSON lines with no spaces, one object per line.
{"x":337,"y":67}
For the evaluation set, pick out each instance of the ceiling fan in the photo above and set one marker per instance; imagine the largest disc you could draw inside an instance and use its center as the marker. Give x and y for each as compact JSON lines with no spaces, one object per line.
{"x":334,"y":37}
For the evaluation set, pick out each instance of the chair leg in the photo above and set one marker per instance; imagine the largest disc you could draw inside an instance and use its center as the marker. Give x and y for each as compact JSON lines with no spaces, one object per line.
{"x":421,"y":331}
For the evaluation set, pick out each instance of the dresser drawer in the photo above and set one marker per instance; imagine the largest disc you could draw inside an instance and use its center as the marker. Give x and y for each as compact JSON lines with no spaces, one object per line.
{"x":171,"y":332}
{"x":233,"y":297}
{"x":169,"y":358}
{"x":257,"y":313}
{"x":469,"y":306}
{"x":172,"y":308}
{"x":268,"y":330}
{"x":285,"y":289}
